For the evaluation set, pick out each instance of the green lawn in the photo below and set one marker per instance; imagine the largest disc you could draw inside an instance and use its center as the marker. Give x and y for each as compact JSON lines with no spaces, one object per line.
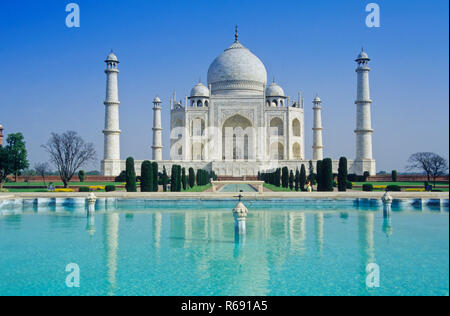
{"x":198,"y":188}
{"x":274,"y":188}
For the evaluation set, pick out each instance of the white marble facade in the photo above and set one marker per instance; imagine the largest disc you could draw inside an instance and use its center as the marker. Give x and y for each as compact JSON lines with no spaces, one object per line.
{"x":238,"y":124}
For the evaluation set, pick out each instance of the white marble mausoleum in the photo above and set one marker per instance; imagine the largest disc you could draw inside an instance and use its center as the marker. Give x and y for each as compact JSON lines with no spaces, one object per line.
{"x":238,"y":124}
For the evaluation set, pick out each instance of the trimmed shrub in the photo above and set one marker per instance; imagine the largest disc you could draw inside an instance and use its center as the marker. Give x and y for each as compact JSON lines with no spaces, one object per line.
{"x":183,"y":179}
{"x":84,"y":189}
{"x":122,"y":177}
{"x":155,"y":168}
{"x":165,"y":179}
{"x":327,"y":175}
{"x":81,"y":175}
{"x":291,"y":180}
{"x":393,"y":188}
{"x":285,"y":177}
{"x":394,"y":176}
{"x":319,"y":178}
{"x":297,"y":180}
{"x":110,"y":188}
{"x":342,"y":174}
{"x":147,"y":176}
{"x":130,"y":176}
{"x":349,"y":185}
{"x":367,"y":187}
{"x":191,"y":179}
{"x":366,"y":175}
{"x":302,"y":178}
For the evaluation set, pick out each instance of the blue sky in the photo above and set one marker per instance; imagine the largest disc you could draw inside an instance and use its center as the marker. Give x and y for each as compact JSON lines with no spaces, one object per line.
{"x":52,"y":76}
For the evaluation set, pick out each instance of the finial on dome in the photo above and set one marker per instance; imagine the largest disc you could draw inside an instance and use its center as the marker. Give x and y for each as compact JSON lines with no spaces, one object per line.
{"x":236,"y":35}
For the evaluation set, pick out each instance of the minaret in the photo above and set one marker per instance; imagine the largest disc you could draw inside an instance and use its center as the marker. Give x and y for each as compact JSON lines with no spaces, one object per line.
{"x":157,"y":130}
{"x":364,"y":129}
{"x":317,"y":130}
{"x":111,"y":163}
{"x":1,"y":135}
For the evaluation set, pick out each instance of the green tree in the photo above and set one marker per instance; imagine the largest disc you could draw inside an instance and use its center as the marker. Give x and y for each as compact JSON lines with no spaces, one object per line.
{"x":147,"y":176}
{"x":291,"y":180}
{"x":319,"y":175}
{"x":303,"y":178}
{"x":327,"y":175}
{"x":130,"y":176}
{"x":191,"y":179}
{"x":155,"y":169}
{"x":6,"y":166}
{"x":297,"y":180}
{"x":165,"y":179}
{"x":285,"y":177}
{"x":81,"y":175}
{"x":18,"y":153}
{"x":394,"y":175}
{"x":184,"y":179}
{"x":342,"y":174}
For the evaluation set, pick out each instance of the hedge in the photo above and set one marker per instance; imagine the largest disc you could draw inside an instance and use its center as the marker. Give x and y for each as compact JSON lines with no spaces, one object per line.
{"x":110,"y":188}
{"x":84,"y":189}
{"x":393,"y":188}
{"x":367,"y":187}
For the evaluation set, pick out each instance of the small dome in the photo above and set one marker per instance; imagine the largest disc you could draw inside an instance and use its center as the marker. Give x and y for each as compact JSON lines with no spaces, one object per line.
{"x":274,"y":90}
{"x":317,"y":100}
{"x":200,"y":91}
{"x":112,"y":58}
{"x":362,"y":56}
{"x":157,"y":100}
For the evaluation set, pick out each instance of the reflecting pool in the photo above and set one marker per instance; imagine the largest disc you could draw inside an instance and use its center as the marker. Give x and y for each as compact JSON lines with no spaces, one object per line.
{"x":126,"y":250}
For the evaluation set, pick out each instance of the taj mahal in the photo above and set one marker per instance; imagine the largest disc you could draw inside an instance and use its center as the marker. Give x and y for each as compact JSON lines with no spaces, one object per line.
{"x":238,"y":124}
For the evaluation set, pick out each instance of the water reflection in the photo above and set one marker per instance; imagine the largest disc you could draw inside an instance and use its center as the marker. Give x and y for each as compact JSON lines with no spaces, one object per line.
{"x":111,"y":242}
{"x":206,"y":235}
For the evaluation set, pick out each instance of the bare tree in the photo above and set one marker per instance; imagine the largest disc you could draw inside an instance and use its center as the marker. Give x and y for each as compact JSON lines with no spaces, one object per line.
{"x":432,"y":164}
{"x":68,"y":152}
{"x":42,"y":169}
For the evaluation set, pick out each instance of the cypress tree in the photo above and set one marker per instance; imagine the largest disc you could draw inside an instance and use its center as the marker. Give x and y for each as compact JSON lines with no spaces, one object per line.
{"x":178,"y":178}
{"x":297,"y":180}
{"x":327,"y":175}
{"x":191,"y":177}
{"x":155,"y":185}
{"x":184,"y":179}
{"x":285,"y":177}
{"x":130,"y":176}
{"x":319,"y":175}
{"x":291,"y":180}
{"x":342,"y":174}
{"x":173,"y":179}
{"x":394,"y":175}
{"x":303,"y":178}
{"x":165,"y":179}
{"x":146,"y":177}
{"x":277,"y":179}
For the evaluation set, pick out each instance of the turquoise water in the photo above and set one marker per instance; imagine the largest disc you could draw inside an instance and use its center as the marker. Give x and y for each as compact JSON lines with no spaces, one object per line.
{"x":308,"y":250}
{"x":237,"y":188}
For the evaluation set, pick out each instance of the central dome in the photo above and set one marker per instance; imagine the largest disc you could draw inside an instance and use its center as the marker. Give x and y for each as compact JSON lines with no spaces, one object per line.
{"x":237,"y":70}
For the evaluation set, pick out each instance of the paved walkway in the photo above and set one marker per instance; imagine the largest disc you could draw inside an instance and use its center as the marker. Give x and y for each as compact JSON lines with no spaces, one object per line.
{"x":231,"y":195}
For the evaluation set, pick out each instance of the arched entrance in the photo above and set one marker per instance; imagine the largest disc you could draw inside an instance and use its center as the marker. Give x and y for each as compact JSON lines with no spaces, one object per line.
{"x":237,"y":138}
